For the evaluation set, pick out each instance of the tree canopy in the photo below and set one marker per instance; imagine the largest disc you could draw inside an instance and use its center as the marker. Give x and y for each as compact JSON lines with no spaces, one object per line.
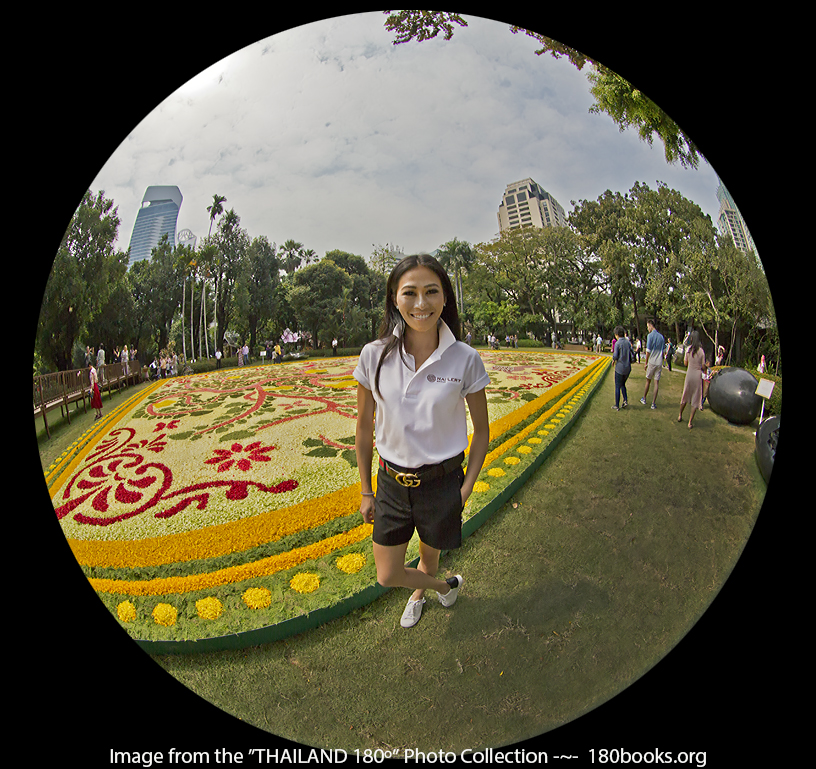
{"x":620,"y":257}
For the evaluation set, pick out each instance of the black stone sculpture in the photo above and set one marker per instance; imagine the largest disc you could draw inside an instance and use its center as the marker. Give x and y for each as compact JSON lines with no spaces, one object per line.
{"x":732,"y":394}
{"x":766,"y":439}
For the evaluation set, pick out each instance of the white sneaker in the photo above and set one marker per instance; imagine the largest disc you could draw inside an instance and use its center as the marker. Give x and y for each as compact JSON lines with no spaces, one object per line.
{"x":412,"y":613}
{"x":449,"y":599}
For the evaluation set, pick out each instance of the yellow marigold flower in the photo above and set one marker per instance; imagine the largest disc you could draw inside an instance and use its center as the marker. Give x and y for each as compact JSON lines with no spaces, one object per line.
{"x":209,"y":608}
{"x":495,"y":472}
{"x":543,"y":432}
{"x":126,"y":611}
{"x":511,"y":460}
{"x":257,"y":598}
{"x":481,"y":486}
{"x":165,"y":614}
{"x":306,"y":582}
{"x":534,"y":440}
{"x":524,"y":449}
{"x":351,"y":563}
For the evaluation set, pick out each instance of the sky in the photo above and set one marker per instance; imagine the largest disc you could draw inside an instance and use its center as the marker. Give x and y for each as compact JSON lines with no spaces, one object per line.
{"x":330,"y":135}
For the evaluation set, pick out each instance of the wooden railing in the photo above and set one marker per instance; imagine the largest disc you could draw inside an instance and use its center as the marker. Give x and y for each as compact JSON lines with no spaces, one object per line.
{"x":66,"y":387}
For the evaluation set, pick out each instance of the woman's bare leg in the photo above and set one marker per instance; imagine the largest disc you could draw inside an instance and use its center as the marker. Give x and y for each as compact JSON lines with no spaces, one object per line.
{"x":392,"y":571}
{"x":428,"y":563}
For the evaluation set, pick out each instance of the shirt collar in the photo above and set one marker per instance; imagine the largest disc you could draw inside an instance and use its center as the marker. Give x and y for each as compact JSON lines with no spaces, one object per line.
{"x":446,"y":337}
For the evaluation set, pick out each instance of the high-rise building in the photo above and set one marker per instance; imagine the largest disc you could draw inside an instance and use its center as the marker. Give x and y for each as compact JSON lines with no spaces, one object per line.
{"x":527,"y":204}
{"x":157,"y":216}
{"x":730,"y":222}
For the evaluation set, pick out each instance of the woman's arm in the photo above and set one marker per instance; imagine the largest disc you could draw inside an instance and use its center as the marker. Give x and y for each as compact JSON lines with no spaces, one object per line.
{"x":477,"y":405}
{"x":364,"y":448}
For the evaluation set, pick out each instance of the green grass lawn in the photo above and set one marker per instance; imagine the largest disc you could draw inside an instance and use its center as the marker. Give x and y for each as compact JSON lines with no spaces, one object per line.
{"x":576,"y":588}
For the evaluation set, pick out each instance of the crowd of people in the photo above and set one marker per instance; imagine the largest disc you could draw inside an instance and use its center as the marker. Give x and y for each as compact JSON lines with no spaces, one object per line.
{"x":95,"y":362}
{"x":99,"y":357}
{"x":166,"y":364}
{"x":658,"y":353}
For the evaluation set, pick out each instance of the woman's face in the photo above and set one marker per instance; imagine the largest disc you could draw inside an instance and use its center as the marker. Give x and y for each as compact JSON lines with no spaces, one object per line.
{"x":420,"y":299}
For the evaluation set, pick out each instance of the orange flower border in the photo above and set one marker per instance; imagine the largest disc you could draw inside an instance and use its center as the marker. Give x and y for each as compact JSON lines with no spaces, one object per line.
{"x":196,"y":610}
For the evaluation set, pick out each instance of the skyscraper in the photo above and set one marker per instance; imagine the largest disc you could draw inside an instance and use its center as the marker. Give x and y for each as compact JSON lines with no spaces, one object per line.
{"x":730,"y":222}
{"x":157,"y":216}
{"x":527,"y":204}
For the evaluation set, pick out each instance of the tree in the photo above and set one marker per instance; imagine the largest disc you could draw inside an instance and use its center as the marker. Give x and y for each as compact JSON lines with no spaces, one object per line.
{"x":363,"y":303}
{"x":85,"y":272}
{"x":231,"y":243}
{"x":457,"y":255}
{"x":721,"y":286}
{"x":316,"y":295}
{"x":215,"y":209}
{"x":257,"y":284}
{"x":539,"y":271}
{"x":206,"y":260}
{"x":165,"y":287}
{"x":630,"y":108}
{"x":422,"y":25}
{"x":637,"y":238}
{"x":293,"y":255}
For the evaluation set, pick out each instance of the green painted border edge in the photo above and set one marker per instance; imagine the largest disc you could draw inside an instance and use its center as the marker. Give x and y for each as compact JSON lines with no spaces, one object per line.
{"x":311,"y":620}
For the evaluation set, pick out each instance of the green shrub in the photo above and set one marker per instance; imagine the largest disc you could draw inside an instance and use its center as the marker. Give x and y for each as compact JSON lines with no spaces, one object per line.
{"x":773,"y":405}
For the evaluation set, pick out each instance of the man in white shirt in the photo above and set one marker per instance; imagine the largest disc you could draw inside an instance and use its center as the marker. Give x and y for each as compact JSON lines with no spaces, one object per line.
{"x":654,"y":360}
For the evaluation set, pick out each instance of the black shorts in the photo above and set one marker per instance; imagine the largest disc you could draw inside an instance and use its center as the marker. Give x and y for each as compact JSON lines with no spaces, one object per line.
{"x":434,"y":509}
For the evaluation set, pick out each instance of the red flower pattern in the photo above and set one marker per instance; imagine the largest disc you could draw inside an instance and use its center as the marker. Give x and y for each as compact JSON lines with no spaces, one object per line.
{"x":241,"y":456}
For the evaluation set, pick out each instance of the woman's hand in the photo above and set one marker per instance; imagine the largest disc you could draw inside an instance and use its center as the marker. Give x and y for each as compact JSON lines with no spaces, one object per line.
{"x":367,"y":509}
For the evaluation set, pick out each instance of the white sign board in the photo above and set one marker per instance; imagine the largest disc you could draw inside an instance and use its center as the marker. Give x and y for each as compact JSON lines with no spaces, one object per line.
{"x":765,"y":388}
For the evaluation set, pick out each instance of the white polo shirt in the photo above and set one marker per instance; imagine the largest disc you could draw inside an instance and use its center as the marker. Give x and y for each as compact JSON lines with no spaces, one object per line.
{"x":420,"y":415}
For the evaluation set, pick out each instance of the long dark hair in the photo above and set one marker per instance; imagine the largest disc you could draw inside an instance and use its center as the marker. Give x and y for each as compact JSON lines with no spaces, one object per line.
{"x":392,"y":318}
{"x":695,"y":342}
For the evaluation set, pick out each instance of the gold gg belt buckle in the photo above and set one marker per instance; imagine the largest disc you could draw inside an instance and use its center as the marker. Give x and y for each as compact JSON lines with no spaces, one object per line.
{"x":409,"y":480}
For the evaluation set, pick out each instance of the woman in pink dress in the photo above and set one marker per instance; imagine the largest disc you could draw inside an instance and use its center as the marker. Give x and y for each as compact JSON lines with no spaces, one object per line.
{"x":96,"y":396}
{"x":693,"y":386}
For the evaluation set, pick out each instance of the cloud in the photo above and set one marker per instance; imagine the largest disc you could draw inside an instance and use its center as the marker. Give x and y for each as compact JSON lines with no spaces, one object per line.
{"x":331,"y":135}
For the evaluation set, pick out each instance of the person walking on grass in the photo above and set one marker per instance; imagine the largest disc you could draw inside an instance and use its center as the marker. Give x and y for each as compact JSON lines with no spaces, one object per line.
{"x":654,"y":361}
{"x":413,"y":383}
{"x":692,"y":395}
{"x":622,"y":355}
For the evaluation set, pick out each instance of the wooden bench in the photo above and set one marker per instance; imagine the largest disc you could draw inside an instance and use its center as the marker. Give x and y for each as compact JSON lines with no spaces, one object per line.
{"x":61,"y":389}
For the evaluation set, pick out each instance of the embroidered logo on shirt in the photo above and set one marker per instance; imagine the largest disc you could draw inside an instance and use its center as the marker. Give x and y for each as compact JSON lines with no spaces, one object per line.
{"x":443,"y":380}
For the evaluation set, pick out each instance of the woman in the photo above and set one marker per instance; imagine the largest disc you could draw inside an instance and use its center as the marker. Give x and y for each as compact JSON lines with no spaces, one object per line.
{"x":622,"y":355}
{"x":694,"y":359}
{"x":96,"y":395}
{"x":415,"y":380}
{"x":720,"y":358}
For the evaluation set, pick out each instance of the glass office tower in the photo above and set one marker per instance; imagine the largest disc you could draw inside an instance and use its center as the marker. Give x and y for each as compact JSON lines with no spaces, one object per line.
{"x":157,"y":216}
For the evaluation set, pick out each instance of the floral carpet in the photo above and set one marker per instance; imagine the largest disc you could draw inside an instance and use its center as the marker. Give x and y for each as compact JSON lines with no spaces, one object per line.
{"x":212,"y":505}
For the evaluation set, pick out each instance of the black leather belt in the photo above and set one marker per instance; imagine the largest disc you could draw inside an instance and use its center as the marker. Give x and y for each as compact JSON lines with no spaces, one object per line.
{"x":412,"y":478}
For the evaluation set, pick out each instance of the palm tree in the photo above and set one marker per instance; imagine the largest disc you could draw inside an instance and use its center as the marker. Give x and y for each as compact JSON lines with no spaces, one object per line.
{"x":456,"y":255}
{"x":294,"y":255}
{"x":216,"y":209}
